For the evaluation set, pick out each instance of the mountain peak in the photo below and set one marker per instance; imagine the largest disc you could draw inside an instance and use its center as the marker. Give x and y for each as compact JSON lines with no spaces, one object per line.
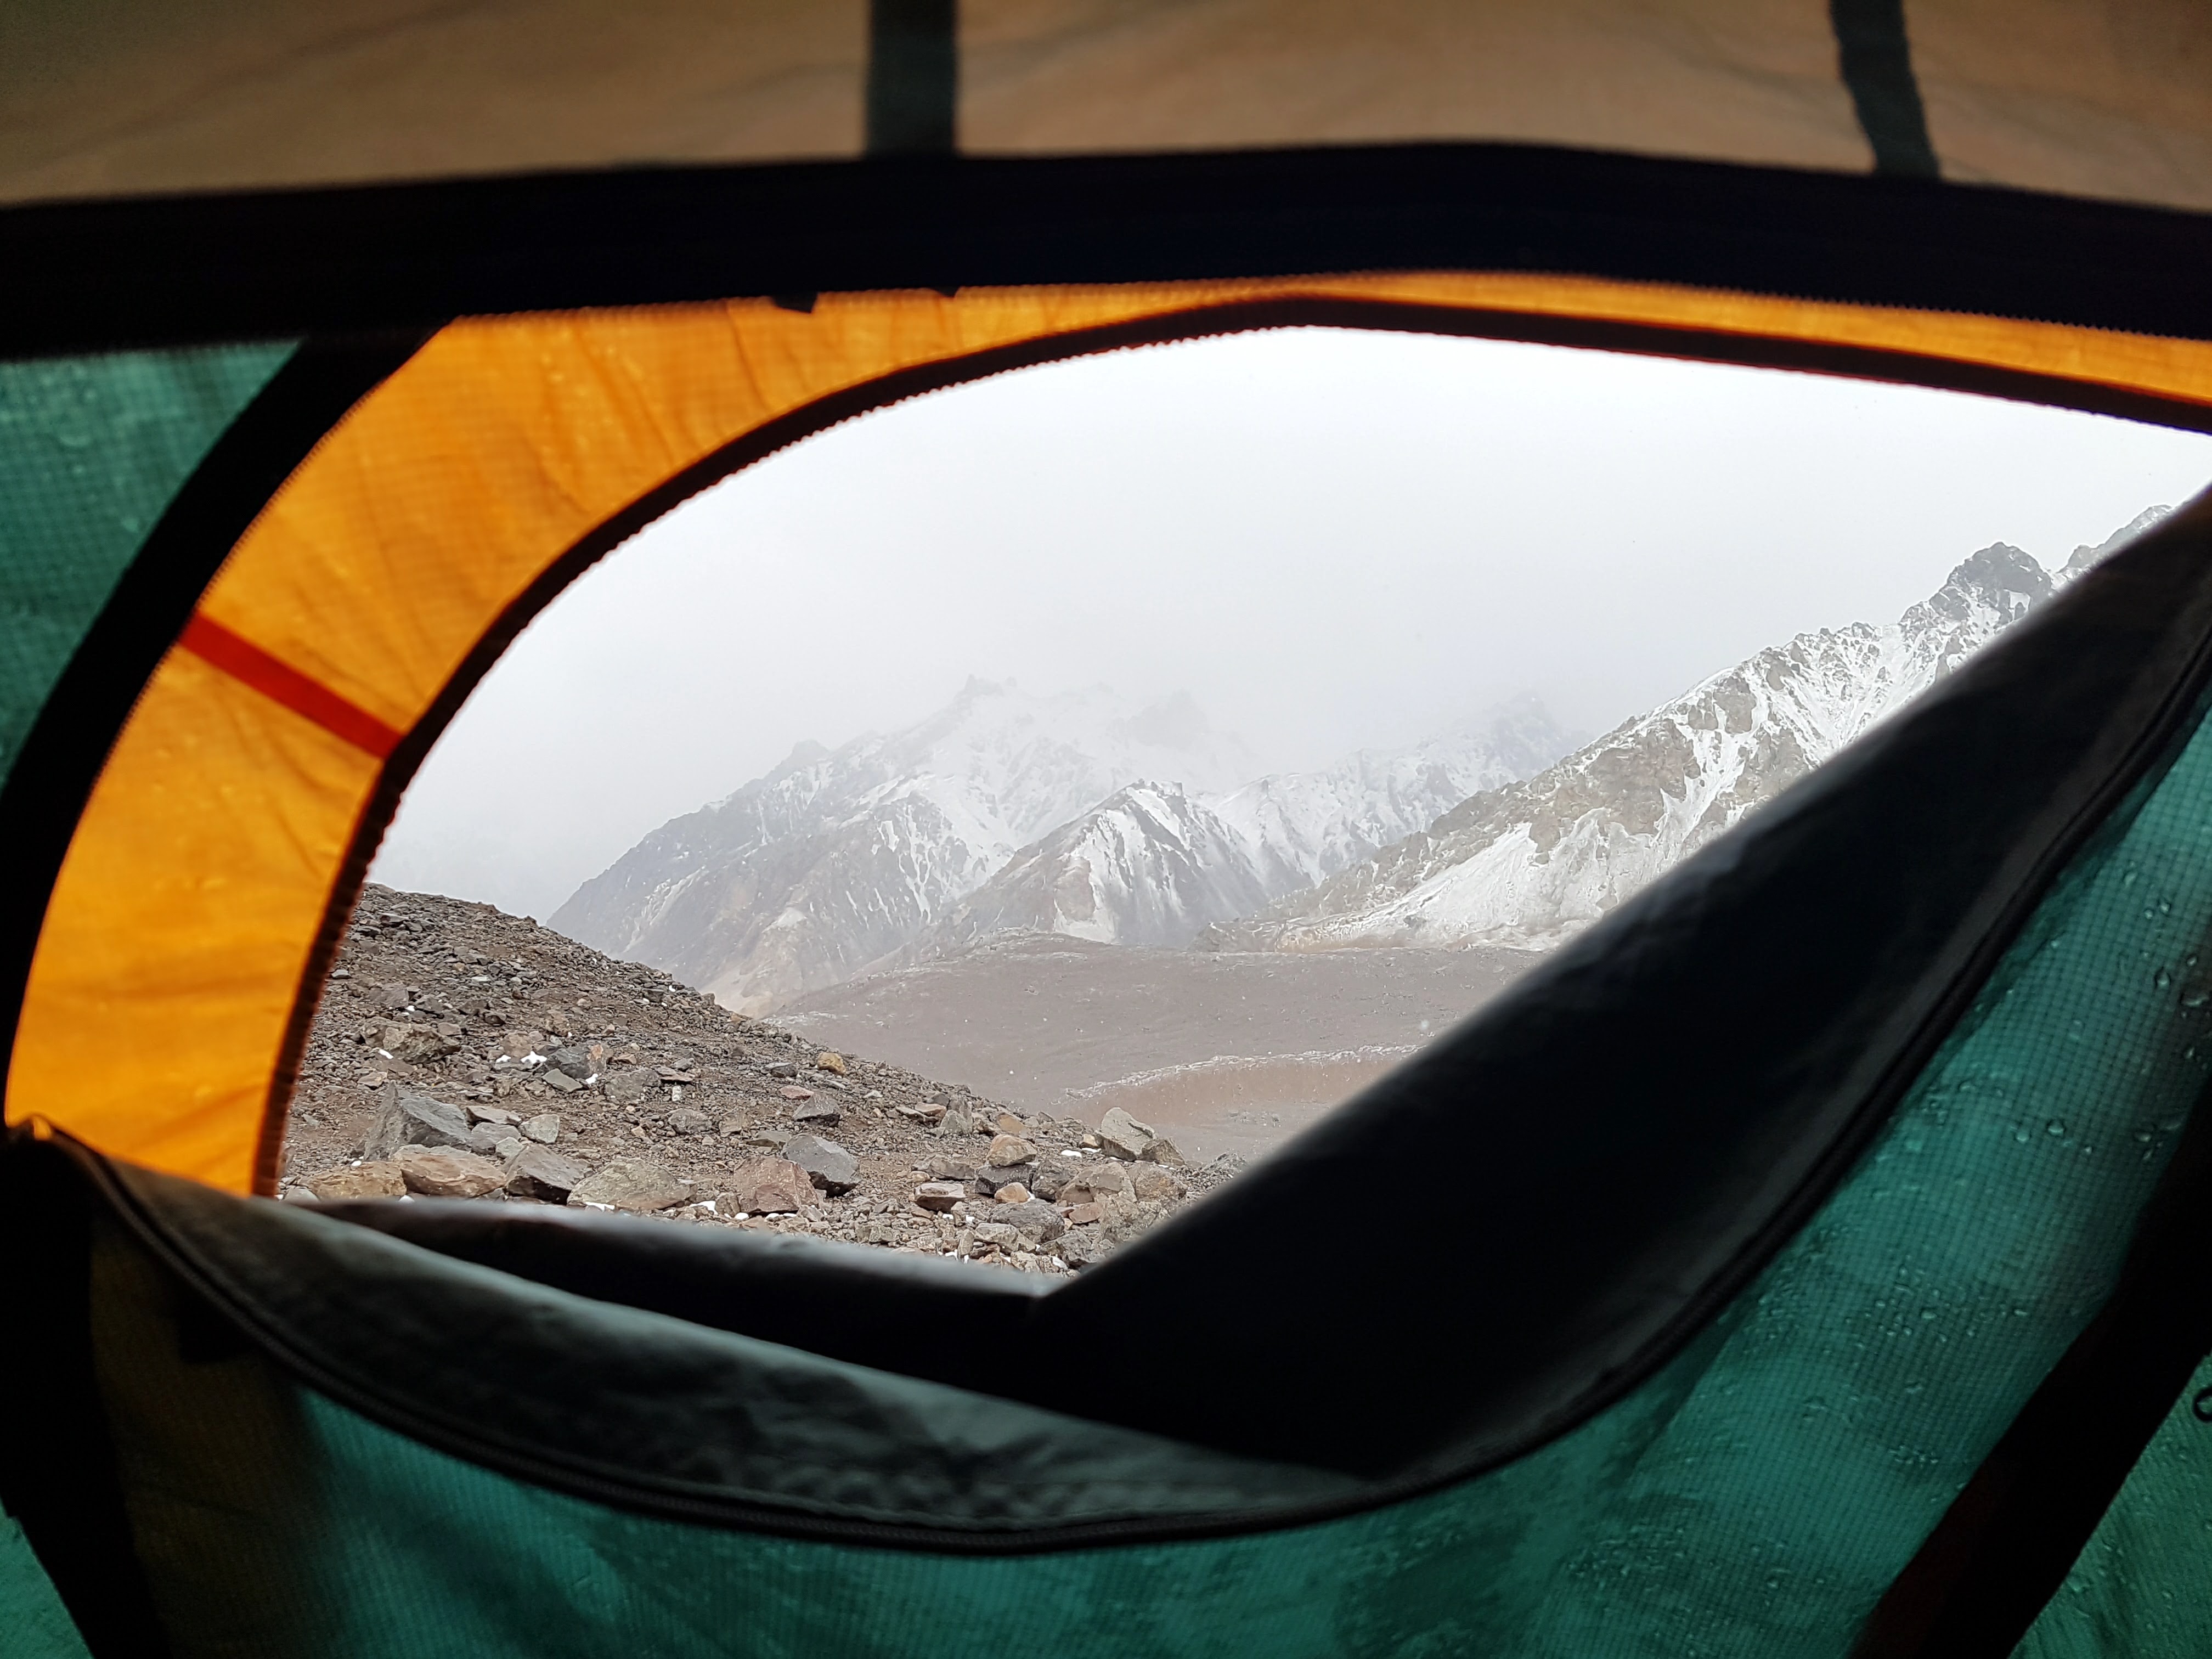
{"x":2085,"y":556}
{"x":1175,"y":722}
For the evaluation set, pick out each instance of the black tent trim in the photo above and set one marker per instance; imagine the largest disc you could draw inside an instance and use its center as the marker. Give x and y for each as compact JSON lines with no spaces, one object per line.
{"x":63,"y":754}
{"x":97,"y":276}
{"x":1877,"y":60}
{"x":1630,"y":1238}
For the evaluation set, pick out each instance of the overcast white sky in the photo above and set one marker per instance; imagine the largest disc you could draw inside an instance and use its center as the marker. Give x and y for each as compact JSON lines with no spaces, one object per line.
{"x":1332,"y":540}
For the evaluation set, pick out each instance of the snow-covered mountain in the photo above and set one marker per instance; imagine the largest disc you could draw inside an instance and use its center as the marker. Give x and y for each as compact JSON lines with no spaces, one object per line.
{"x":1075,"y":814}
{"x":1154,"y":863}
{"x":1530,"y":864}
{"x":802,"y":877}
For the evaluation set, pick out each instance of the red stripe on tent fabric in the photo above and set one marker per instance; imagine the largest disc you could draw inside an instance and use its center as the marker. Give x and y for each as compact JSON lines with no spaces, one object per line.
{"x":247,"y":662}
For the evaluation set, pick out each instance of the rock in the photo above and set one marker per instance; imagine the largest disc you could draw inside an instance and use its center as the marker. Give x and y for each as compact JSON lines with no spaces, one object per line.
{"x":625,"y":1088}
{"x":415,"y":1043}
{"x":1079,"y":1250}
{"x":675,"y":1076}
{"x":987,"y":1235}
{"x":1007,"y":1124}
{"x":407,"y":1118}
{"x":769,"y":1137}
{"x":572,"y":1060}
{"x":940,"y":1195}
{"x":993,"y":1176}
{"x":955,"y":1123}
{"x":546,"y":1176}
{"x":1009,"y":1150}
{"x":731,"y":1126}
{"x":1123,"y":1137}
{"x":449,"y":1175}
{"x":770,"y":1186}
{"x":828,"y":1165}
{"x":480,"y":1114}
{"x":1097,"y":1181}
{"x":826,"y":1061}
{"x":544,"y":1128}
{"x":378,"y":1179}
{"x":509,"y":1143}
{"x":486,"y":1138}
{"x":297,"y":1195}
{"x":792,"y":1091}
{"x":632,"y":1184}
{"x":1082,"y":1215}
{"x":818,"y":1115}
{"x":521,"y":1044}
{"x":1151,"y":1181}
{"x":689,"y":1121}
{"x":394,"y":997}
{"x":1163,"y":1152}
{"x":929,"y":1113}
{"x":1013,"y":1193}
{"x":942,"y":1168}
{"x":1032,"y":1217}
{"x":559,"y":1081}
{"x":782,"y":1068}
{"x":1046,"y":1180}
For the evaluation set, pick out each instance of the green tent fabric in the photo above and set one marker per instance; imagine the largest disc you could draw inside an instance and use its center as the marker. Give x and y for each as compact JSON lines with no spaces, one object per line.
{"x":92,"y":449}
{"x":323,"y":1430}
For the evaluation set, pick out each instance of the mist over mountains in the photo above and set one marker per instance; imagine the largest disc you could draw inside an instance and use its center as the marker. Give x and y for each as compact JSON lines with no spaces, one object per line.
{"x":1081,"y":816}
{"x":1075,"y":814}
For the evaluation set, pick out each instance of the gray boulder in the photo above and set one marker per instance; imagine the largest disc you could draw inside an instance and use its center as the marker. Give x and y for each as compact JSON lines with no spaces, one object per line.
{"x":406,"y":1117}
{"x":636,"y":1184}
{"x":1123,"y":1137}
{"x":828,"y":1165}
{"x":1034,"y":1219}
{"x":544,"y":1175}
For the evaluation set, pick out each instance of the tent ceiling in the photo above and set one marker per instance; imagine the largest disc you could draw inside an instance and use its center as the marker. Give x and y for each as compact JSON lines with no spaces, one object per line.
{"x":128,"y":97}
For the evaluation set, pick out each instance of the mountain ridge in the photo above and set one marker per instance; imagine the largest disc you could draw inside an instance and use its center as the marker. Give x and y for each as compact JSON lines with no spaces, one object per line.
{"x":1528,"y":865}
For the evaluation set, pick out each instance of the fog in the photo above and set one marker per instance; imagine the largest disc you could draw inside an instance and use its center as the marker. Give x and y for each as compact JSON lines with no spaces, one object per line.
{"x":1331,"y":539}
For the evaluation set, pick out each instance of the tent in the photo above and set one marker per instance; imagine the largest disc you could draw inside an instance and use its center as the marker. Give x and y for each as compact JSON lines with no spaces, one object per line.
{"x":337,"y":338}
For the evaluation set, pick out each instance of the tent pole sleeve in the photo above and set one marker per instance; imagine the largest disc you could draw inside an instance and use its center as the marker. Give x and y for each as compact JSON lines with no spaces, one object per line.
{"x":1877,"y":60}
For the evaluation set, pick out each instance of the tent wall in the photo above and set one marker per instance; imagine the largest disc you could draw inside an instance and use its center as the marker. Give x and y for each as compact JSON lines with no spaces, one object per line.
{"x":179,"y":959}
{"x":93,"y":450}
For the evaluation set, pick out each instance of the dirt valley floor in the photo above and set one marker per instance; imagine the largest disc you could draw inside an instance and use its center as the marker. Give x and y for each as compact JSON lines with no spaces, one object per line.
{"x":1222,"y":1052}
{"x":462,"y":1052}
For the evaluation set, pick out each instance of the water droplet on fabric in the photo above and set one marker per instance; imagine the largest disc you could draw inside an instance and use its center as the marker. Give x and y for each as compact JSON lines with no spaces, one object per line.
{"x":2056,"y":1127}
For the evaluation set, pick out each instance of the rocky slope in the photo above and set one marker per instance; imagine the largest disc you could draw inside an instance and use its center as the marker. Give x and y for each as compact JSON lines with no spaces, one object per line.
{"x":1073,"y":815}
{"x":1528,"y":864}
{"x":459,"y":1052}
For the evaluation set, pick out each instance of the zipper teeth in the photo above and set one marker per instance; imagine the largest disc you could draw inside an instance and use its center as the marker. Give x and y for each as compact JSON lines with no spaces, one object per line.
{"x":631,"y":1493}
